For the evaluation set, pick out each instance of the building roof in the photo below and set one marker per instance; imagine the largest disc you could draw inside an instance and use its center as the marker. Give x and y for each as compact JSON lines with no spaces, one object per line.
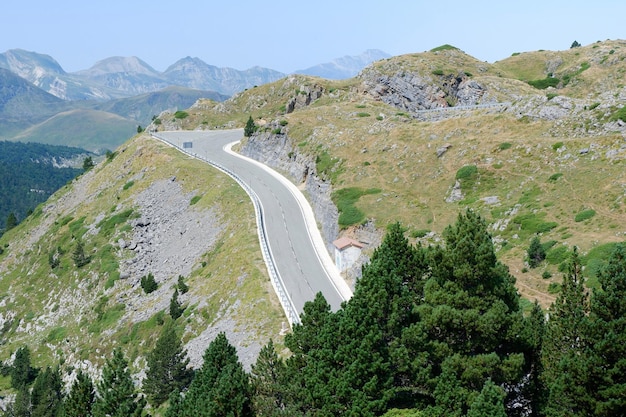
{"x":345,"y":242}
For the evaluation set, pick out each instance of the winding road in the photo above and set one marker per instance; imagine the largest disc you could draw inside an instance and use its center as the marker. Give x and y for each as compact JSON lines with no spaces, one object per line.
{"x":303,"y":264}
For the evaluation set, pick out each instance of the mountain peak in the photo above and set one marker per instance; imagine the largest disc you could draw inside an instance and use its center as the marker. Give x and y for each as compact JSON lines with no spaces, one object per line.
{"x":346,"y":66}
{"x":120,"y":64}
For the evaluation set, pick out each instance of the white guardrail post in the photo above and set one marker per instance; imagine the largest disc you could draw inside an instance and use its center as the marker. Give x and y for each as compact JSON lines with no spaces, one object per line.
{"x":275,"y":278}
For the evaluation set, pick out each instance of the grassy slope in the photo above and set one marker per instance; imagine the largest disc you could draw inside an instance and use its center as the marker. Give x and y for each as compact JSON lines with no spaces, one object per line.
{"x":74,"y":128}
{"x":79,"y":314}
{"x":534,"y":167}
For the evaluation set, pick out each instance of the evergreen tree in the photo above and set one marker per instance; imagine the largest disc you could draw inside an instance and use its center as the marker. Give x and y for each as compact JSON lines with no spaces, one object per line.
{"x":22,"y":374}
{"x":489,"y":403}
{"x":47,"y":393}
{"x":21,"y":404}
{"x":608,"y":335}
{"x":182,"y":287}
{"x":536,"y":253}
{"x":175,"y":408}
{"x":79,"y":256}
{"x":148,"y":283}
{"x":167,"y":367}
{"x":88,"y":163}
{"x":268,"y":383}
{"x":11,"y":222}
{"x":221,"y":387}
{"x":176,"y":309}
{"x":314,"y":375}
{"x":116,"y":395}
{"x":79,"y":401}
{"x":250,"y":127}
{"x":470,"y":317}
{"x":564,"y":354}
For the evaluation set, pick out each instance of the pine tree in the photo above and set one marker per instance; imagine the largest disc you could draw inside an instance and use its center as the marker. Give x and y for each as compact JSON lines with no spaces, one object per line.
{"x":470,"y":312}
{"x":167,"y":367}
{"x":21,"y":404}
{"x":608,"y":335}
{"x":22,"y":374}
{"x":116,"y":395}
{"x":175,"y":408}
{"x":88,"y":163}
{"x":176,"y":309}
{"x":79,"y":401}
{"x":536,"y":253}
{"x":148,"y":283}
{"x":79,"y":256}
{"x":564,"y":357}
{"x":182,"y":287}
{"x":250,"y":127}
{"x":11,"y":222}
{"x":221,"y":387}
{"x":268,"y":384}
{"x":489,"y":403}
{"x":47,"y":393}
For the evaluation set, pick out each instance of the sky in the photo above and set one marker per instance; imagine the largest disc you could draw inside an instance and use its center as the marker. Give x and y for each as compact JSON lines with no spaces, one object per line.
{"x":292,"y":35}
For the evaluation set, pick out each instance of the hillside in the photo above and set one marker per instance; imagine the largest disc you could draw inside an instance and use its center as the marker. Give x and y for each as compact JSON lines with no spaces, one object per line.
{"x":529,"y":160}
{"x":146,"y":209}
{"x":415,"y":139}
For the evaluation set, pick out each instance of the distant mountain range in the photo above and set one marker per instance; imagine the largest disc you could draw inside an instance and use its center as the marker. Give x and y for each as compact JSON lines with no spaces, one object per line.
{"x":345,"y":67}
{"x":119,"y":77}
{"x":101,"y":107}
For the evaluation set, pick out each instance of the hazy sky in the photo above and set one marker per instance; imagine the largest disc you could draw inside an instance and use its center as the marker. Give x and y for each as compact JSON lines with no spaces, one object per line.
{"x":292,"y":35}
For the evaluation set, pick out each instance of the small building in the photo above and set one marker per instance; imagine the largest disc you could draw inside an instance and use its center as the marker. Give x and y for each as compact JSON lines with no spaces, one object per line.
{"x":347,"y":251}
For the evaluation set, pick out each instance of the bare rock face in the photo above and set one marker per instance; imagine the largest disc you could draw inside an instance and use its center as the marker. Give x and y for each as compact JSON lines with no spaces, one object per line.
{"x":305,"y":96}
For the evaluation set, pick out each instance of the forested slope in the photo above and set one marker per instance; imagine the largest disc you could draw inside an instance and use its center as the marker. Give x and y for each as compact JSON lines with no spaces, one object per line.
{"x":32,"y":172}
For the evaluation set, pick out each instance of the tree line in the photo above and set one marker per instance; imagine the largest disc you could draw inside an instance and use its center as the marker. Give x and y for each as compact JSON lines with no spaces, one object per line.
{"x":434,"y":331}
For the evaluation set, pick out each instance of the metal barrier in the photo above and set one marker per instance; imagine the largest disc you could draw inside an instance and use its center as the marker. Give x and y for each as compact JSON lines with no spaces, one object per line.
{"x":268,"y":257}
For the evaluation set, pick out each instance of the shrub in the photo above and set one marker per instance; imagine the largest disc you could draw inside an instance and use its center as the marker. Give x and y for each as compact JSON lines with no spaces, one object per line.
{"x":550,"y":96}
{"x":284,"y":122}
{"x":418,"y":234}
{"x":437,"y":72}
{"x":557,"y":255}
{"x":594,"y":105}
{"x":181,"y":114}
{"x":345,"y":200}
{"x":504,"y":146}
{"x":584,"y":215}
{"x":546,"y":275}
{"x":466,"y":172}
{"x":148,"y":283}
{"x":277,"y":131}
{"x":555,"y":177}
{"x":556,"y":146}
{"x":554,"y":288}
{"x":545,"y":83}
{"x":363,"y":114}
{"x":619,"y":115}
{"x":128,"y":185}
{"x":444,"y":47}
{"x":194,"y":200}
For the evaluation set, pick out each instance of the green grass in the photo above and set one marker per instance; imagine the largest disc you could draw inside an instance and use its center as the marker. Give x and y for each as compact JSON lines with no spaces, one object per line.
{"x":107,"y":226}
{"x":445,"y":47}
{"x":128,"y":185}
{"x":345,"y":200}
{"x":328,"y":167}
{"x":595,"y":260}
{"x":194,"y":199}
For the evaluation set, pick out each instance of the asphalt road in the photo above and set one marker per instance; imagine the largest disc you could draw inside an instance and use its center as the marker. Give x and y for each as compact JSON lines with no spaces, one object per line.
{"x":302,"y":264}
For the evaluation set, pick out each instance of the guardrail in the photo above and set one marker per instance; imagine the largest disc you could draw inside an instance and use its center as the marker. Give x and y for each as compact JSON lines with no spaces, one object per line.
{"x":268,"y":257}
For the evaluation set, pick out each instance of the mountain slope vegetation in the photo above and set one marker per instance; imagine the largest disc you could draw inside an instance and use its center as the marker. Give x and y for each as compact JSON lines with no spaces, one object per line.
{"x":440,"y":131}
{"x":464,"y":163}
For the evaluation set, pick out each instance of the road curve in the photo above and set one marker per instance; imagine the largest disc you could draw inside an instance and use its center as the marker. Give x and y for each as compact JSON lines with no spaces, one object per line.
{"x":298,"y":251}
